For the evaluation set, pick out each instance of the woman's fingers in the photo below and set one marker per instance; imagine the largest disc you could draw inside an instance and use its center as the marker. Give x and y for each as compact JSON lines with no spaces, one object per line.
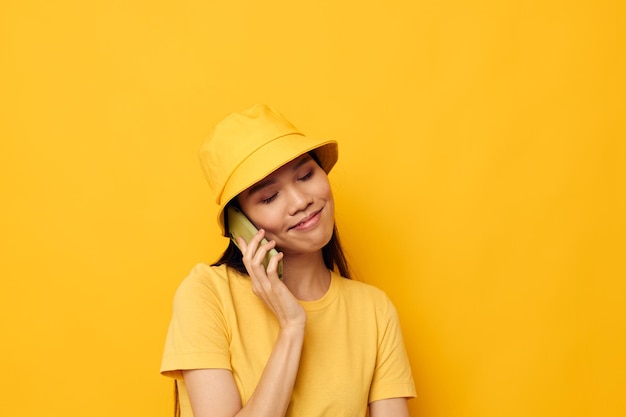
{"x":272,"y":266}
{"x":265,"y":282}
{"x":254,"y":252}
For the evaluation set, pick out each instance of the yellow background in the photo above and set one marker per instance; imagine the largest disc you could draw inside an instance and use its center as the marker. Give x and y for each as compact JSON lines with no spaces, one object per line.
{"x":480,"y":183}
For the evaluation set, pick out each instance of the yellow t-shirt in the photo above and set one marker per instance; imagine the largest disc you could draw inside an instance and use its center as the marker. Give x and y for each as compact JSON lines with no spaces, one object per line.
{"x":353,"y":351}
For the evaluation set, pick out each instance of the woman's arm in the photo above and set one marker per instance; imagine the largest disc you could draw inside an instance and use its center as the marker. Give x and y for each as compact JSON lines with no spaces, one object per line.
{"x":390,"y":407}
{"x":213,"y":392}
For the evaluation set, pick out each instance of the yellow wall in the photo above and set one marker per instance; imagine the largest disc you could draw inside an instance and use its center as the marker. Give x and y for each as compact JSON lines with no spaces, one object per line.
{"x":480,"y":183}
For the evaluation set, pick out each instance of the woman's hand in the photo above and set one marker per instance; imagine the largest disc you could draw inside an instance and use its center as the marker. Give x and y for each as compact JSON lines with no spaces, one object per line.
{"x":267,"y":286}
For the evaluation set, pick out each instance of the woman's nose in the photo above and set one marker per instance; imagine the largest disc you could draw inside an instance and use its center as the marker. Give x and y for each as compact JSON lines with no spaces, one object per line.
{"x":298,"y":200}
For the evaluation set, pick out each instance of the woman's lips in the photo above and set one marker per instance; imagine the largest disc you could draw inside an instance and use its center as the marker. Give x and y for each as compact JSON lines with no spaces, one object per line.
{"x":308,"y":222}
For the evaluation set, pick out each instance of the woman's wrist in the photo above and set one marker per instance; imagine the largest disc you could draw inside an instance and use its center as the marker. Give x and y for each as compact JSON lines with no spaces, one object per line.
{"x":292,"y":334}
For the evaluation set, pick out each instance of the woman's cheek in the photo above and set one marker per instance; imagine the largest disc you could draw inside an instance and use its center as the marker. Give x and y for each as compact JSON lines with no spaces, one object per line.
{"x":267,"y":220}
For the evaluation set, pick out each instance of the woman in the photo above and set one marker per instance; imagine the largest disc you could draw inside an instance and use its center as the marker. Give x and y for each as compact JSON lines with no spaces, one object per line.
{"x":244,"y":342}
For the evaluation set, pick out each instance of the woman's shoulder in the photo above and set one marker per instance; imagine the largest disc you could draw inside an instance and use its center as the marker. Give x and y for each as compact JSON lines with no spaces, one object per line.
{"x":204,"y":274}
{"x":367,"y":299}
{"x":358,"y":288}
{"x":208,"y":278}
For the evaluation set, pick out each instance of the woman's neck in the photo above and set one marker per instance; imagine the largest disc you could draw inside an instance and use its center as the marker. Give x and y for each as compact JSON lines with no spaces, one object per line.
{"x":306,"y":276}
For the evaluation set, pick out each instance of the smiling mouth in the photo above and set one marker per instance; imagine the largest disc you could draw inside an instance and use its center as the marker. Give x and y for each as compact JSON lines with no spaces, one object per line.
{"x":307,"y":221}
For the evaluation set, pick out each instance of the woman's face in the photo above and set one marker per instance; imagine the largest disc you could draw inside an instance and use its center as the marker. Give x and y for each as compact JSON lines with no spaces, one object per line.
{"x":294,"y":205}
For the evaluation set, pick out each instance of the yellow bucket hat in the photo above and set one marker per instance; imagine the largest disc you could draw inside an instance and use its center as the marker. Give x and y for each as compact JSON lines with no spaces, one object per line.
{"x":247,"y":146}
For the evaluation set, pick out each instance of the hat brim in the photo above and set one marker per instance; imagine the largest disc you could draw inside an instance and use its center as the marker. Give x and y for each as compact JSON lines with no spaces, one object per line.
{"x":268,"y":159}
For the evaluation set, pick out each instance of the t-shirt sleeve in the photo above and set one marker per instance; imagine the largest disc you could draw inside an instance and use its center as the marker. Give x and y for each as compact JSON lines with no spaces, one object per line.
{"x":392,"y":374}
{"x":198,"y":337}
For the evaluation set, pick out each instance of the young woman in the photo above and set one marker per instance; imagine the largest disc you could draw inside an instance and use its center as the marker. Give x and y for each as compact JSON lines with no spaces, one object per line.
{"x":243,"y":342}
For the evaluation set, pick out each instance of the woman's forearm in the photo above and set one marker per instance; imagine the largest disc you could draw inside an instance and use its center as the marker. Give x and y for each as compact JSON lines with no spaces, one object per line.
{"x":273,"y":392}
{"x":213,"y":392}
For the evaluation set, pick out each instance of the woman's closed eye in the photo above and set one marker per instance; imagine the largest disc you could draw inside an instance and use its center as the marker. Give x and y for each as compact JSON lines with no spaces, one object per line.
{"x":266,"y":194}
{"x":307,"y":176}
{"x":269,"y":199}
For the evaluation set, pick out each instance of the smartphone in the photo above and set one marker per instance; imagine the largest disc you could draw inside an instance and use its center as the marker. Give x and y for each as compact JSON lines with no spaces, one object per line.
{"x":240,"y":226}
